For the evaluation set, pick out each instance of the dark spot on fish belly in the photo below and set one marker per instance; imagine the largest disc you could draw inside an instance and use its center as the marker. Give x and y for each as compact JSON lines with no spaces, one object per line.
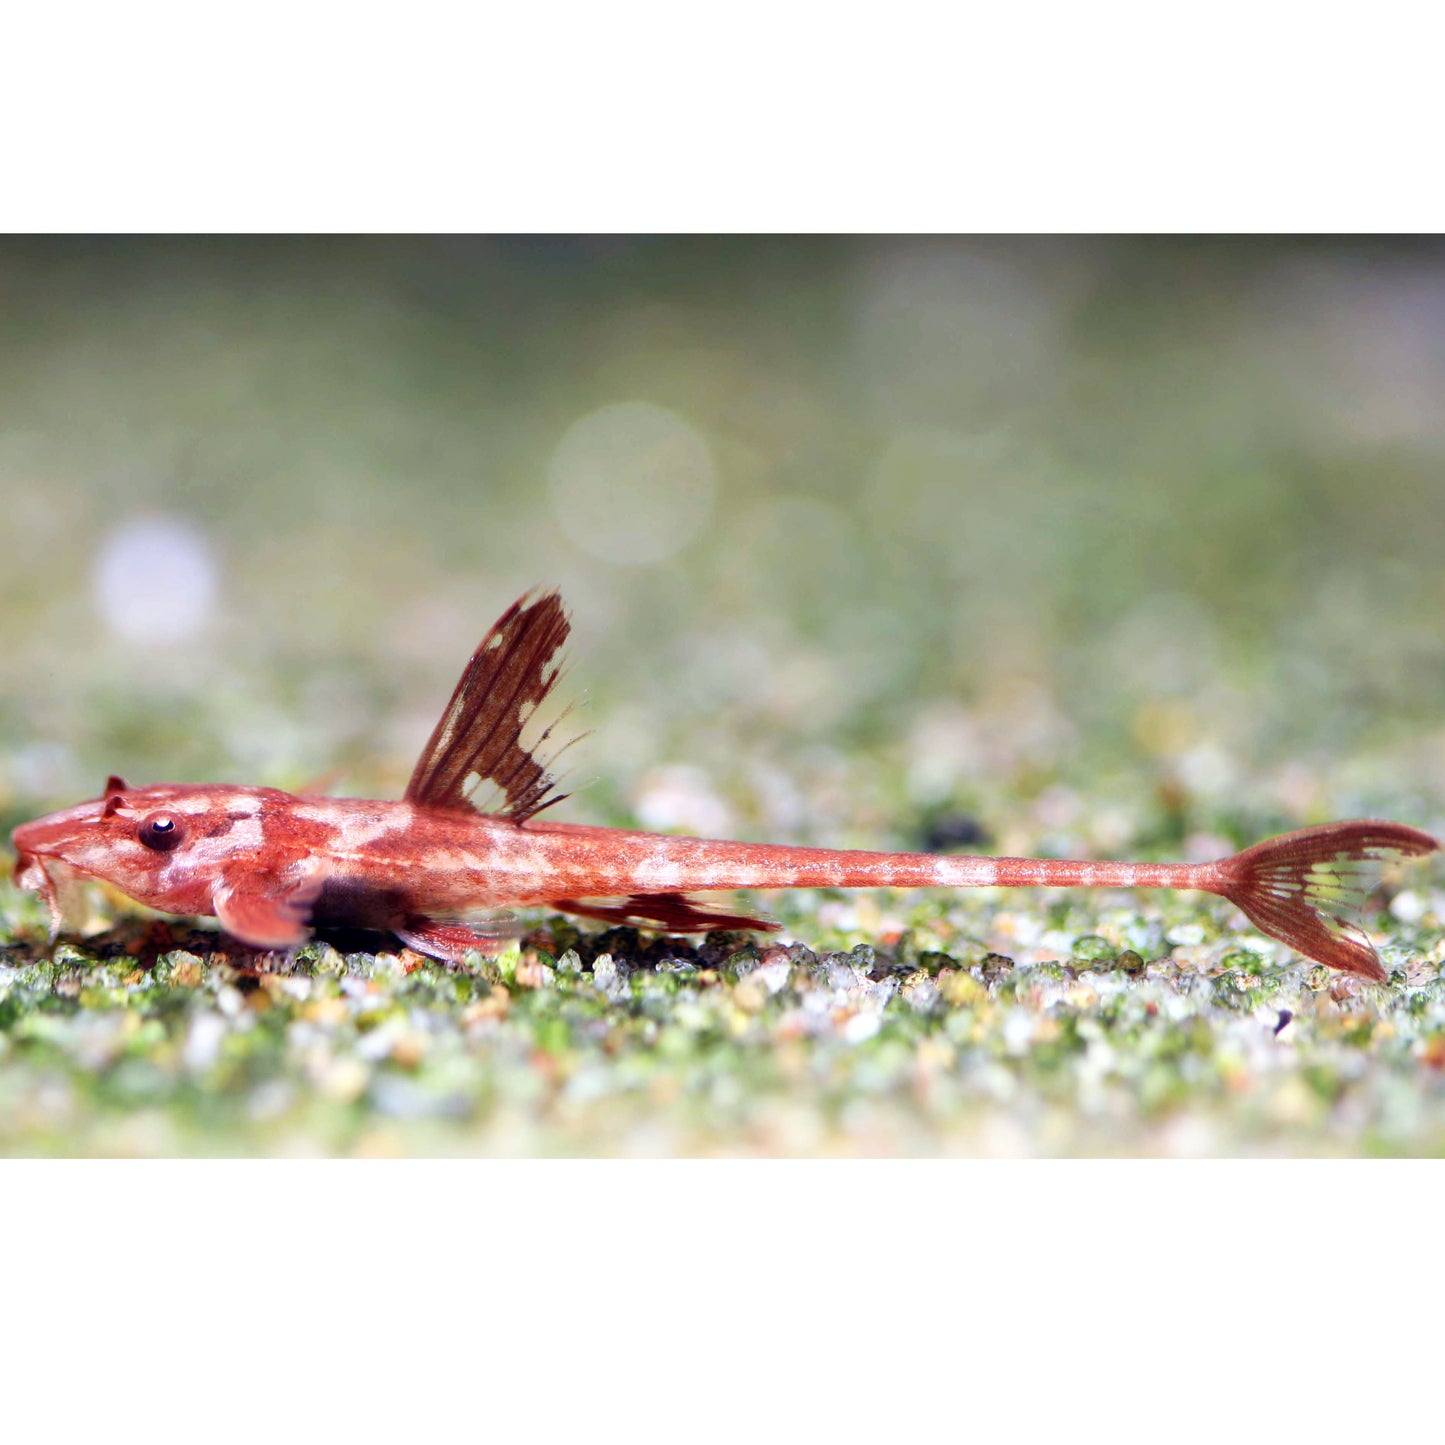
{"x":358,"y":903}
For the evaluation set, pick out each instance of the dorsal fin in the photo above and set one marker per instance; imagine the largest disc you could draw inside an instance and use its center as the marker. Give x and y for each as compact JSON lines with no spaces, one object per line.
{"x":479,"y":737}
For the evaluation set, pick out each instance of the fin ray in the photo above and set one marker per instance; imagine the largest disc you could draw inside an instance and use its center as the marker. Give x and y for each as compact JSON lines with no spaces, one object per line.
{"x":673,"y":912}
{"x":479,"y":736}
{"x":1301,"y":888}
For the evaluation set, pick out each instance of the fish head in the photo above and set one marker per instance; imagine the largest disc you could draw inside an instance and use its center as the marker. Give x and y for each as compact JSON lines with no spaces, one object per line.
{"x":163,"y":846}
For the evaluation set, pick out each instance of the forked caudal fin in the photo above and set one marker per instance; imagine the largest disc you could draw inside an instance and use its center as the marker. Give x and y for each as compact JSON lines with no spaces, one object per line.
{"x":1297,"y":887}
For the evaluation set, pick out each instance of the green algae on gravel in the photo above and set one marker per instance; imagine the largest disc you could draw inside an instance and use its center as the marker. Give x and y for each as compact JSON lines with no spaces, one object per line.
{"x":897,"y":1030}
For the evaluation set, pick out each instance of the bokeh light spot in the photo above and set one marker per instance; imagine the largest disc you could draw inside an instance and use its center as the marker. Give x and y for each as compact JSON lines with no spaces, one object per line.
{"x":632,"y":483}
{"x":154,"y":581}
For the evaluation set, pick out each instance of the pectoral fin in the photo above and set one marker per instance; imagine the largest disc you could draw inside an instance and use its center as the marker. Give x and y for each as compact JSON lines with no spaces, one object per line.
{"x":262,"y":911}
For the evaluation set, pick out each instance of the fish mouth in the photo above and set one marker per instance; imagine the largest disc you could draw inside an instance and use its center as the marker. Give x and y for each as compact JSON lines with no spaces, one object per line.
{"x":31,"y":876}
{"x":29,"y":872}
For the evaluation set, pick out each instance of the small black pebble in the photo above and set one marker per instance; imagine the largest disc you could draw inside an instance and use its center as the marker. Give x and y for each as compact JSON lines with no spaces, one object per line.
{"x":1284,"y":1017}
{"x":953,"y":830}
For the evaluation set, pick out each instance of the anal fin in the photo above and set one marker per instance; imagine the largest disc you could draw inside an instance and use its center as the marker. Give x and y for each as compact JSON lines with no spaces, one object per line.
{"x":672,"y":912}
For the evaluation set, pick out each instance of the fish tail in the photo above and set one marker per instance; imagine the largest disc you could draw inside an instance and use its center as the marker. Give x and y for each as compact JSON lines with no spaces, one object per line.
{"x":1303,"y":888}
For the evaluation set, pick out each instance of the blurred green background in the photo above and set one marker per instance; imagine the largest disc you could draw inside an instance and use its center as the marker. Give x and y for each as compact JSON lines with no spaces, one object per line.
{"x":1074,"y":547}
{"x":1105,"y":544}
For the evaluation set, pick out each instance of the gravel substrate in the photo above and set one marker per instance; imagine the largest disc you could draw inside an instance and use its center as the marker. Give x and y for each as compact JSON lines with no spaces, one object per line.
{"x":904,"y":1026}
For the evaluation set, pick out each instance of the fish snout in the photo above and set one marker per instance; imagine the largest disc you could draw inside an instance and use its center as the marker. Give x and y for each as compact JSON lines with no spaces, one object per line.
{"x":56,"y":834}
{"x":30,"y":840}
{"x":28,"y":873}
{"x":45,"y":840}
{"x":24,"y":839}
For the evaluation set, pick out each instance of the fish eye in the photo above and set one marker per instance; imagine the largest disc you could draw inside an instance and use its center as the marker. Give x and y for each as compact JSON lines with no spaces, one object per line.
{"x":161,"y":831}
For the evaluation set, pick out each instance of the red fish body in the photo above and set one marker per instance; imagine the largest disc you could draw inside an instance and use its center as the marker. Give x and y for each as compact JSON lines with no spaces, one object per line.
{"x":270,"y":865}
